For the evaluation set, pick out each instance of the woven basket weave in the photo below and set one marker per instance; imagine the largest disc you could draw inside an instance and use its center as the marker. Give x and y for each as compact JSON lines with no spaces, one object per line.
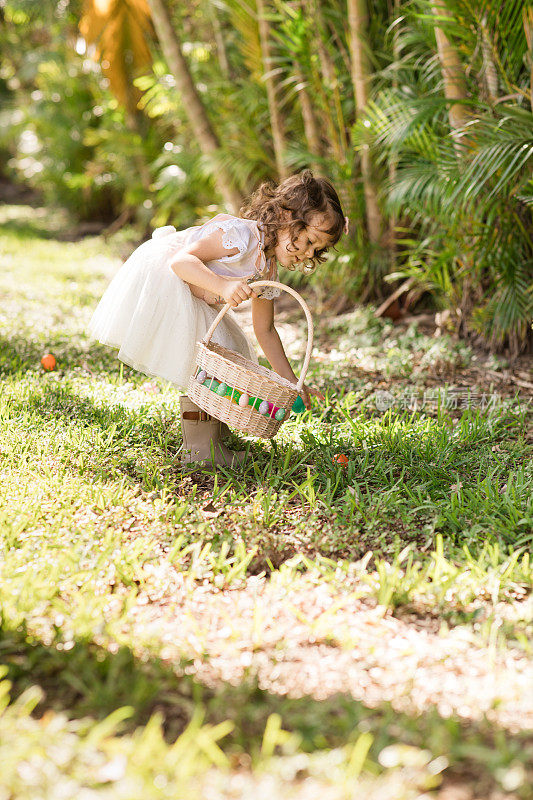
{"x":246,"y":377}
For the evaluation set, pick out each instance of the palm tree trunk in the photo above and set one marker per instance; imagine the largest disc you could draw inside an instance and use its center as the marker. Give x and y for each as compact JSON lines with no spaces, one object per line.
{"x":527,"y":16}
{"x":312,"y":134}
{"x":192,"y":104}
{"x":325,"y":108}
{"x":489,"y":68}
{"x":276,"y":121}
{"x":132,"y":124}
{"x":393,"y":158}
{"x":337,"y":130}
{"x":219,"y":40}
{"x":357,"y":26}
{"x":452,"y":74}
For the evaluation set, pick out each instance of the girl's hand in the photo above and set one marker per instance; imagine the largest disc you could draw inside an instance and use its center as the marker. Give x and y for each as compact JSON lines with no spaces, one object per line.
{"x":306,"y":392}
{"x":236,"y":291}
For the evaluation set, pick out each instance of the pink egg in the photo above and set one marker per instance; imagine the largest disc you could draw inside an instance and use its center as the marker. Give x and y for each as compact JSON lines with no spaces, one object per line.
{"x":244,"y":399}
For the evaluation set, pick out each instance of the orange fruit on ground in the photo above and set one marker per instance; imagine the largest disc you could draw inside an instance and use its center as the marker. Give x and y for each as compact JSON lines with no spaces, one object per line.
{"x":341,"y":459}
{"x":48,"y":361}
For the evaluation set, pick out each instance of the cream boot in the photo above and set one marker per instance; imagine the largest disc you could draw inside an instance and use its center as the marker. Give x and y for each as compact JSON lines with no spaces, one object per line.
{"x":201,"y":438}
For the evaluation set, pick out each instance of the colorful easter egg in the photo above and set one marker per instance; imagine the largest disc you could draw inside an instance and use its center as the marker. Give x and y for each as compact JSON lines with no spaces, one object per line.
{"x":263,"y":408}
{"x":222,"y":388}
{"x":280,"y":414}
{"x":298,"y":406}
{"x":340,"y":458}
{"x":244,"y":399}
{"x":48,"y":362}
{"x":202,"y":375}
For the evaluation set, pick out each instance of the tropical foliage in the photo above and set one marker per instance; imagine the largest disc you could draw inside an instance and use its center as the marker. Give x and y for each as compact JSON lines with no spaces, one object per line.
{"x":419,"y":112}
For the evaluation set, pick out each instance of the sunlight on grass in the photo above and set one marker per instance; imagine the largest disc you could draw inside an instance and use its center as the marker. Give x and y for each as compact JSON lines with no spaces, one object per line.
{"x":115,"y":562}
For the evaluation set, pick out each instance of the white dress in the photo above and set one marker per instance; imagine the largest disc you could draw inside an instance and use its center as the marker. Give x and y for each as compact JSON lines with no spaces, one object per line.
{"x":151,"y":315}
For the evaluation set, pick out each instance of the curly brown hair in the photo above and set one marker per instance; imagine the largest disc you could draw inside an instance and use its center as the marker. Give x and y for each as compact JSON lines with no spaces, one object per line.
{"x":301,"y":197}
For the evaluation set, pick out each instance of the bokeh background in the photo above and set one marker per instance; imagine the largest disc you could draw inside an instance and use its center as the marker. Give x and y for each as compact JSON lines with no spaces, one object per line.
{"x":147,"y":112}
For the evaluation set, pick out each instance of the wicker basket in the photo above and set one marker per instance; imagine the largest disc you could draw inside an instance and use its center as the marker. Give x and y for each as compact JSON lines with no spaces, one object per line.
{"x":243,"y":377}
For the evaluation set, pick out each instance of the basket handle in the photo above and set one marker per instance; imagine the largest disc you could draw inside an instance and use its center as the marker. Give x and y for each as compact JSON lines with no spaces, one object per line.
{"x":308,"y":317}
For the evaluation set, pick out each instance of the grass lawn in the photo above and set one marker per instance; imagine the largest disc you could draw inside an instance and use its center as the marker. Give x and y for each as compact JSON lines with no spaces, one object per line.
{"x":293,"y":628}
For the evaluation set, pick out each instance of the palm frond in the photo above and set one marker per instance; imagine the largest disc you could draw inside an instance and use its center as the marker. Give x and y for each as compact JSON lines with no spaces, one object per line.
{"x":119,"y":29}
{"x":503,"y":153}
{"x":507,"y":314}
{"x":243,"y":18}
{"x":395,"y":120}
{"x":421,"y":188}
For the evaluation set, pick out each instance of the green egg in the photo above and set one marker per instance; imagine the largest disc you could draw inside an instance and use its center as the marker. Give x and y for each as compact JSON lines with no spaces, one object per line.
{"x":298,"y":406}
{"x":280,"y":414}
{"x":221,"y":389}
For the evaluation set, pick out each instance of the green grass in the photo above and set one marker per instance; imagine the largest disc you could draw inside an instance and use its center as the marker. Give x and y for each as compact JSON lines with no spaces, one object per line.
{"x":432,"y":520}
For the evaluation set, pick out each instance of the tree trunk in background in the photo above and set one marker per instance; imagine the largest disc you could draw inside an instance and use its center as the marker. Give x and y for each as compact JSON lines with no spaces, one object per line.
{"x":455,"y":89}
{"x":527,"y":16}
{"x":276,"y":122}
{"x":452,"y":74}
{"x":393,"y":159}
{"x":132,"y":124}
{"x":338,"y":140}
{"x":490,"y":73}
{"x":312,"y":134}
{"x":357,"y":25}
{"x":192,"y":104}
{"x":219,"y":40}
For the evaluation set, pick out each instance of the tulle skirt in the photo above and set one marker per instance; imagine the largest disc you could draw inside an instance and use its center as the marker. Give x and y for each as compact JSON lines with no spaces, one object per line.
{"x":154,"y":320}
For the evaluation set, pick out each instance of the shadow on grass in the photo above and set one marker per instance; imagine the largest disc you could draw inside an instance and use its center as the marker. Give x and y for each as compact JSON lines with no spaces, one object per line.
{"x":86,"y":680}
{"x":398,"y":472}
{"x":128,"y":435}
{"x":158,"y":435}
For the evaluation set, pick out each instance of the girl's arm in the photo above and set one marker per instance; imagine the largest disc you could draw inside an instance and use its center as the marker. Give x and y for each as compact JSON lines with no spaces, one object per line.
{"x":268,"y":338}
{"x":189,"y":264}
{"x":270,"y":343}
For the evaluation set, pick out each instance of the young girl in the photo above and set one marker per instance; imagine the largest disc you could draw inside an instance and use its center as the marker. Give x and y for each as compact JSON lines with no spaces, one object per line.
{"x":166,"y":295}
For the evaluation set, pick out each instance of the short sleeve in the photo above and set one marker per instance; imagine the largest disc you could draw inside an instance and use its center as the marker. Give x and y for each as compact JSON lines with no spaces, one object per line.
{"x":166,"y":230}
{"x":271,"y":274}
{"x":270,"y":293}
{"x":236,"y":234}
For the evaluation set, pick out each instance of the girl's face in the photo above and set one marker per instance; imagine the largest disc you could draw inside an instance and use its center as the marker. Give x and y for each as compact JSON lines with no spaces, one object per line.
{"x":309,"y":240}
